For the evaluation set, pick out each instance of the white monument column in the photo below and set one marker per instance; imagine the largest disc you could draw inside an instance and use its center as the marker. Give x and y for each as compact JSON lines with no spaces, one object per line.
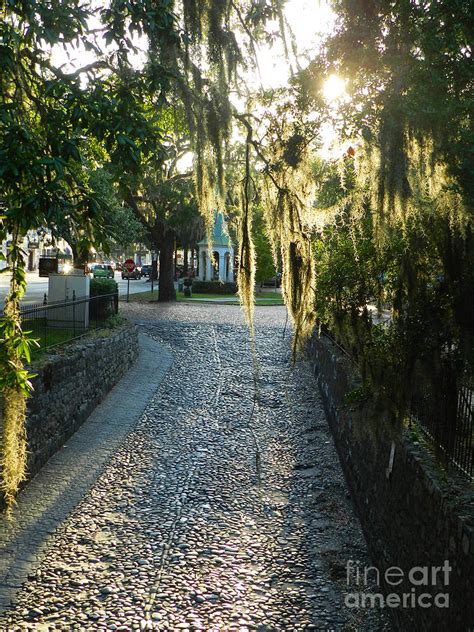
{"x":208,"y":267}
{"x":222,"y":265}
{"x":230,"y":275}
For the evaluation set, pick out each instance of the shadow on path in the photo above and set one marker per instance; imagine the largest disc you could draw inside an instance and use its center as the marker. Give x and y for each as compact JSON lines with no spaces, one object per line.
{"x":69,"y":474}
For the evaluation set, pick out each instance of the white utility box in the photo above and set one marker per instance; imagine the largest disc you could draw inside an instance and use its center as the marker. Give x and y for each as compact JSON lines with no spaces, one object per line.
{"x":70,"y":292}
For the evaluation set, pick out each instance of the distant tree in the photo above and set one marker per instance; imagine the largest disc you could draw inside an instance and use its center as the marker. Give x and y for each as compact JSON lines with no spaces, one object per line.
{"x":119,"y":228}
{"x":167,"y":208}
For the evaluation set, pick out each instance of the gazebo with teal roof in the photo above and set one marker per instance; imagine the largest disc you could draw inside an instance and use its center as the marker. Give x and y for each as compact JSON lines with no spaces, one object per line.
{"x":220,"y":267}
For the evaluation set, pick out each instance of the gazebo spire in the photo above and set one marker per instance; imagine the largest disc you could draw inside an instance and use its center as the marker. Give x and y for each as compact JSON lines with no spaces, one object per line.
{"x":220,"y":234}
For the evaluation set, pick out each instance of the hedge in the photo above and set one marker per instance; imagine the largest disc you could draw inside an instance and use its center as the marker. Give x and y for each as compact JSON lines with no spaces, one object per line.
{"x":214,"y":287}
{"x":102,"y":308}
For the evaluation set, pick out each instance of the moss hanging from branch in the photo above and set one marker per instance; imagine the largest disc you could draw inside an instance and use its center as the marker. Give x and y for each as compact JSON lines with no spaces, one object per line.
{"x":206,"y":70}
{"x":246,"y":269}
{"x":13,"y":443}
{"x":298,"y":283}
{"x":15,"y":382}
{"x":288,"y":210}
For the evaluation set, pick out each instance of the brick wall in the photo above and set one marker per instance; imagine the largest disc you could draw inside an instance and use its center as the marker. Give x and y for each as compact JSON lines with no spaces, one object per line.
{"x":414,"y":515}
{"x":70,"y":385}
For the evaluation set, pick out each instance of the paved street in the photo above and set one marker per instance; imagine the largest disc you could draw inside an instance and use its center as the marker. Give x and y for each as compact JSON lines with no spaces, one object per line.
{"x":37,"y":287}
{"x":222,"y":508}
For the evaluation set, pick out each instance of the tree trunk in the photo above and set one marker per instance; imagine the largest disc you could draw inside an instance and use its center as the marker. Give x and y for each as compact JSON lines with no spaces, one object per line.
{"x":185,"y":259}
{"x":80,"y":254}
{"x":166,"y":281}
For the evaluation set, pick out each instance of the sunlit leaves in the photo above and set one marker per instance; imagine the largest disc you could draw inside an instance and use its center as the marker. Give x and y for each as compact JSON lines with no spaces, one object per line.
{"x":404,"y":237}
{"x":56,"y":128}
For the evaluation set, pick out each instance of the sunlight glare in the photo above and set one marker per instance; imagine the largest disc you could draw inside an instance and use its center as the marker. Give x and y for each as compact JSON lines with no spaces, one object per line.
{"x":310,"y":21}
{"x":334,"y":88}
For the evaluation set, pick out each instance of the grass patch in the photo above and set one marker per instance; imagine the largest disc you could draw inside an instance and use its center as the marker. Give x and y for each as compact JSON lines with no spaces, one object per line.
{"x":264,"y":298}
{"x":51,"y":340}
{"x":48,"y":336}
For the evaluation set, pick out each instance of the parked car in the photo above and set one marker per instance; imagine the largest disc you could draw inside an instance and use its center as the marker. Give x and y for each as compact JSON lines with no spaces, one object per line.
{"x":136,"y":274}
{"x":102,"y":270}
{"x":146,"y":270}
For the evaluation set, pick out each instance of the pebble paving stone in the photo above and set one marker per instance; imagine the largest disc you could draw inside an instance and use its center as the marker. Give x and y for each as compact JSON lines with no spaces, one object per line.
{"x":223,"y":509}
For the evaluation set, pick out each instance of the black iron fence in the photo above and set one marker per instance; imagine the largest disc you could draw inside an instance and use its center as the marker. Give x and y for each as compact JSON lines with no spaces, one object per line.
{"x":55,"y":323}
{"x":443,"y":409}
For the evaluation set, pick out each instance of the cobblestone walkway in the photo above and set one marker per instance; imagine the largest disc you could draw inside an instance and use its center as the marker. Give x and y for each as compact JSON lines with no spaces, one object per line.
{"x":220,"y":511}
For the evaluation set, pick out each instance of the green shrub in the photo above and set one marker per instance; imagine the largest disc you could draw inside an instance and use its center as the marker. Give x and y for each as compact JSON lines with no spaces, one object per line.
{"x":103,"y":286}
{"x":104,"y":299}
{"x":214,"y":287}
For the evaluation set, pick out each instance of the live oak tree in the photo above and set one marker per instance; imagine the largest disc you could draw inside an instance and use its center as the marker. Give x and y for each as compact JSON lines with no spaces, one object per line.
{"x":47,"y":116}
{"x":403,"y":229}
{"x":167,"y":209}
{"x":163,"y":198}
{"x":404,"y":208}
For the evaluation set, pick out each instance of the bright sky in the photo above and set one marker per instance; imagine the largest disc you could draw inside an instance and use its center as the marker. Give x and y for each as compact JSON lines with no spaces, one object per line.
{"x":310,"y":21}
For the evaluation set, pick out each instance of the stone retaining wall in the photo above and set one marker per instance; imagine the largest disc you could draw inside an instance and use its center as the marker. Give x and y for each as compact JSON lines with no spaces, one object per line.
{"x":412,"y":513}
{"x":70,"y":385}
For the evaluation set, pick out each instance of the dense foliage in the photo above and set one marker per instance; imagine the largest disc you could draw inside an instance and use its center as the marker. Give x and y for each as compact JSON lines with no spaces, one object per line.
{"x":402,"y":235}
{"x":213,"y":287}
{"x":56,"y":127}
{"x":386,"y":228}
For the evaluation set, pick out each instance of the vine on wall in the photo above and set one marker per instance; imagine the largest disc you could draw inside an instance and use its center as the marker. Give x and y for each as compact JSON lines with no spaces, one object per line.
{"x":15,"y":385}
